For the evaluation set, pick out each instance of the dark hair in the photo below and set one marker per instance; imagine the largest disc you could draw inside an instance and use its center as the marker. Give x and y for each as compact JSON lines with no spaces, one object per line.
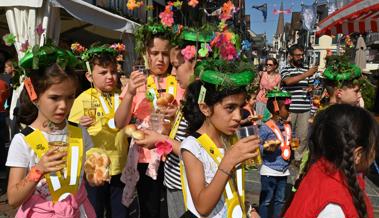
{"x":292,"y":49}
{"x":103,"y":60}
{"x":337,"y":131}
{"x":331,"y":86}
{"x":270,"y":104}
{"x":191,"y":110}
{"x":41,"y":79}
{"x":274,"y":61}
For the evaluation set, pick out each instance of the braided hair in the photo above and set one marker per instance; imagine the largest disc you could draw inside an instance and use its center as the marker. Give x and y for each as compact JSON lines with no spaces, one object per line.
{"x":337,"y":132}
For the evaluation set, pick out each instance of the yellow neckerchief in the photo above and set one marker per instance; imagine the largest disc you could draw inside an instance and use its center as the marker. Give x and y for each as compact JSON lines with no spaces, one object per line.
{"x":235,"y":201}
{"x":107,"y":109}
{"x":284,"y":142}
{"x":60,"y":185}
{"x":171,"y":84}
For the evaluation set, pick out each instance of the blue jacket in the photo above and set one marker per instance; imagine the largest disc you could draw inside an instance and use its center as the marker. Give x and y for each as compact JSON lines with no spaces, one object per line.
{"x":274,"y":159}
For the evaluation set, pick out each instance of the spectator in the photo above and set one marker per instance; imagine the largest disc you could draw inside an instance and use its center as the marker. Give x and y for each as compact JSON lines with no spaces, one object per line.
{"x":269,"y":79}
{"x":295,"y":79}
{"x":4,"y":93}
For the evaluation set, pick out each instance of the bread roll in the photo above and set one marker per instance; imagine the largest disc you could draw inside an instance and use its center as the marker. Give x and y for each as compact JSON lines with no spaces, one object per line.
{"x":138,"y":134}
{"x":129,"y":129}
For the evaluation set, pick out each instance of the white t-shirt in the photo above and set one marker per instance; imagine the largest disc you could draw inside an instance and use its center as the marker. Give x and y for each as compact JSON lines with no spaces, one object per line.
{"x":210,"y":168}
{"x":21,"y":155}
{"x":332,"y":211}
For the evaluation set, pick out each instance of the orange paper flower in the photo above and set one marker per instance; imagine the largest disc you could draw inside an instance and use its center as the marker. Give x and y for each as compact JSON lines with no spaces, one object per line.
{"x":133,"y":4}
{"x":193,"y":3}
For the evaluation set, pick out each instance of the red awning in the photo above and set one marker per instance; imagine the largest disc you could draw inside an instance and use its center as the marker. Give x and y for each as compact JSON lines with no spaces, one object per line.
{"x":360,"y":16}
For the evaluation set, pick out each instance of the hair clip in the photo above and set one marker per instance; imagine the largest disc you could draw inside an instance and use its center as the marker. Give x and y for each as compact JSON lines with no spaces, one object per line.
{"x":30,"y":89}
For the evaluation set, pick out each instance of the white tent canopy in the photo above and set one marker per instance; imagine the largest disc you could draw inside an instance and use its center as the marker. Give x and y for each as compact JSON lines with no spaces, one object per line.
{"x":23,"y":17}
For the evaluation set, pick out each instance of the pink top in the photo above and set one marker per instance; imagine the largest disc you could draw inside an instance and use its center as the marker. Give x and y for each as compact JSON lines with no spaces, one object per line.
{"x":144,"y":156}
{"x":267,"y":82}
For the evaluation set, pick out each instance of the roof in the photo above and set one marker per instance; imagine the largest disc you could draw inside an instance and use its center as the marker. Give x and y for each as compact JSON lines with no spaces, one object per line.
{"x":358,"y":16}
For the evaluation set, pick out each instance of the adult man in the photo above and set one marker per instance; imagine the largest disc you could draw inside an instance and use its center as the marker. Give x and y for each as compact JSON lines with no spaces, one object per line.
{"x":295,"y":79}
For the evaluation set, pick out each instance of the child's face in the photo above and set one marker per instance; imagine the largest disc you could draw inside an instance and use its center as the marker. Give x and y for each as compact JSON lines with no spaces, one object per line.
{"x":104,"y":78}
{"x":226,"y":115}
{"x":8,"y":68}
{"x":284,"y":112}
{"x":182,"y":69}
{"x":349,"y":95}
{"x":55,"y":103}
{"x":252,"y":100}
{"x":159,"y":56}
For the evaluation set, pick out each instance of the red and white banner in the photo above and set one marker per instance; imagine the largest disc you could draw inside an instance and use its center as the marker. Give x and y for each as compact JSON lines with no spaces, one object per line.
{"x":360,"y":16}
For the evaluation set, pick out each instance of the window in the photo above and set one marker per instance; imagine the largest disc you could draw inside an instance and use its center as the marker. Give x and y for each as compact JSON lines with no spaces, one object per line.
{"x":317,"y":40}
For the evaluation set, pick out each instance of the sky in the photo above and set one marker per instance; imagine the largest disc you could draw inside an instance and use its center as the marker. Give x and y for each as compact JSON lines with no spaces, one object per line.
{"x":256,"y":17}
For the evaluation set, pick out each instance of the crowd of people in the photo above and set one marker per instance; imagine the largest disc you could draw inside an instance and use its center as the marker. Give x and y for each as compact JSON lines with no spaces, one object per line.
{"x":185,"y":108}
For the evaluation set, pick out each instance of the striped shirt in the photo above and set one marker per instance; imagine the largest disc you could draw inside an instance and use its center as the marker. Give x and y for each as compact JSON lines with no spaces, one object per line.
{"x":300,"y":98}
{"x":172,"y":167}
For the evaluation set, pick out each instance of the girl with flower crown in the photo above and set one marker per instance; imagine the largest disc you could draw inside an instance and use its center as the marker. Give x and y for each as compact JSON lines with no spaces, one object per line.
{"x":46,"y":159}
{"x":144,"y":170}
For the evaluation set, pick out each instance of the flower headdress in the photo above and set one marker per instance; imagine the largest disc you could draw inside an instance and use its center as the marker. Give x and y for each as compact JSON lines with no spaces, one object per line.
{"x":279,"y":94}
{"x":115,"y":50}
{"x":340,"y":69}
{"x":40,"y":58}
{"x":145,"y":33}
{"x":195,"y":42}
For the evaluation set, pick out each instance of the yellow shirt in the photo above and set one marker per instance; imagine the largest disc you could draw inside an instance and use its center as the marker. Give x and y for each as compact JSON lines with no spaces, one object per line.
{"x":113,"y":141}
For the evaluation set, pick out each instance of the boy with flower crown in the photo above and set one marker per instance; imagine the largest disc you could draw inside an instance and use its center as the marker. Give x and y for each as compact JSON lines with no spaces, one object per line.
{"x":103,"y":100}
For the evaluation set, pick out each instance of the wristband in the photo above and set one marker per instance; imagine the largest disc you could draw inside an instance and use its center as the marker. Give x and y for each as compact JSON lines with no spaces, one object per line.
{"x":224,"y":171}
{"x":34,"y":174}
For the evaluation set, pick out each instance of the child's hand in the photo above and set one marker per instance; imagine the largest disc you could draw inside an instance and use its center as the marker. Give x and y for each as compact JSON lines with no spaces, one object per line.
{"x":86,"y":121}
{"x":244,"y":149}
{"x":170,"y":111}
{"x":137,"y":79}
{"x":151,"y":137}
{"x":51,"y":161}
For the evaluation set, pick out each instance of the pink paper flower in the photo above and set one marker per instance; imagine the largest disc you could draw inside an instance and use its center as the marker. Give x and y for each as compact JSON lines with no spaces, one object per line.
{"x":167,"y":16}
{"x":228,"y":51}
{"x":39,"y":29}
{"x":24,"y":46}
{"x":287,"y":101}
{"x":188,"y":52}
{"x":163,"y":147}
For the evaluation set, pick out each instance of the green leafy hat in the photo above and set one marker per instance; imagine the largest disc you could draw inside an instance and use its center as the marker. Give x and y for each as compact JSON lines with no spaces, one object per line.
{"x":44,"y":56}
{"x":340,"y":69}
{"x":96,"y":50}
{"x":225,"y":74}
{"x":277,"y":93}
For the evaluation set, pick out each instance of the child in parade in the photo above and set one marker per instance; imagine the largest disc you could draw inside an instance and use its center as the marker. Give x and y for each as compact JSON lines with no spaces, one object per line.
{"x":46,"y":158}
{"x":343,"y":144}
{"x":275,"y":135}
{"x":144,"y":170}
{"x":183,"y":59}
{"x":342,"y":83}
{"x":212,"y":174}
{"x":249,"y":115}
{"x":94,"y":109}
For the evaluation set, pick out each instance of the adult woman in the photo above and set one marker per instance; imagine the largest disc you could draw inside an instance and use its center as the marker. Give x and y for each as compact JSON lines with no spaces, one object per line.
{"x":269,"y":79}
